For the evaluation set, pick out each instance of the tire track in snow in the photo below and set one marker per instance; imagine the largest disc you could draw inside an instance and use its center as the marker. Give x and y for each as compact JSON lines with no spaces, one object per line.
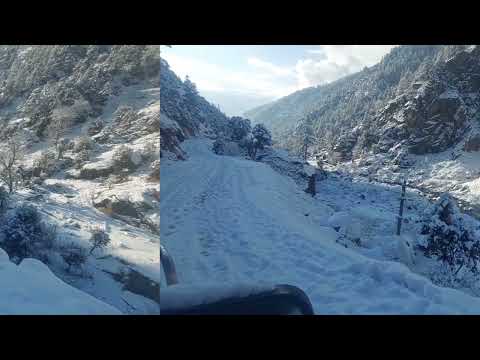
{"x":248,"y":225}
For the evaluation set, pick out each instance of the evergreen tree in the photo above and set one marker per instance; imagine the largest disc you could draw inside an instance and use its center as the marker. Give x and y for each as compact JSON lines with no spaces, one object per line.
{"x":240,"y":127}
{"x":261,"y":138}
{"x":304,"y":137}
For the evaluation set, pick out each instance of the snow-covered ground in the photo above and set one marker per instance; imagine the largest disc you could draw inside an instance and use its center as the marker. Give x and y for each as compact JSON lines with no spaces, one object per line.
{"x":31,"y":289}
{"x":231,"y":220}
{"x":68,"y":204}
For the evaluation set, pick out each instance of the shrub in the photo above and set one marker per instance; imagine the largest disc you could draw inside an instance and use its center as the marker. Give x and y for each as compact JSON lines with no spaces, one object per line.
{"x":25,"y":235}
{"x":450,"y":238}
{"x":82,"y":157}
{"x":46,"y":163}
{"x":4,"y":195}
{"x":99,"y":239}
{"x":122,"y":159}
{"x":74,"y":256}
{"x":83,"y":144}
{"x":219,"y":147}
{"x":149,"y":151}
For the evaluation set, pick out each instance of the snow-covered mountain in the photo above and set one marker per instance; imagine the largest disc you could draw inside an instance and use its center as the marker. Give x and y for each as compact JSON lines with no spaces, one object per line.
{"x":85,"y":120}
{"x":184,"y":113}
{"x":232,"y":217}
{"x":414,"y":114}
{"x":421,"y":99}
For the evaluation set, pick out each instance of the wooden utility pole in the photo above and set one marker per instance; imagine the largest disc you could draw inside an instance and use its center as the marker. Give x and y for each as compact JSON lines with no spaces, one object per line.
{"x":311,"y":185}
{"x":402,"y":201}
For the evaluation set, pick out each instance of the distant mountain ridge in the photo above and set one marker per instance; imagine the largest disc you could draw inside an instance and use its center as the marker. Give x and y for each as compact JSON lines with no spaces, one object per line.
{"x":421,"y":98}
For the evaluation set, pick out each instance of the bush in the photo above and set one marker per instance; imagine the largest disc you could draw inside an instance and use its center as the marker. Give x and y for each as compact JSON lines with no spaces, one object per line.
{"x":219,"y":147}
{"x":25,"y":235}
{"x":4,"y":195}
{"x":99,"y":239}
{"x":83,"y":144}
{"x":149,"y":151}
{"x":122,"y":159}
{"x":82,"y":157}
{"x":74,"y":256}
{"x":46,"y":163}
{"x":450,"y":238}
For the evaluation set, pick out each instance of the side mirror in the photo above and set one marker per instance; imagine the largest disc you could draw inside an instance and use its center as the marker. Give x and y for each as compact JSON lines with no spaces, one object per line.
{"x":280,"y":300}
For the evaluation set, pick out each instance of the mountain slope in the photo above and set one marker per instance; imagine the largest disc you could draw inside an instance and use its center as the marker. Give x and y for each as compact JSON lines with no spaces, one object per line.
{"x":401,"y":100}
{"x":184,"y":113}
{"x":103,"y":103}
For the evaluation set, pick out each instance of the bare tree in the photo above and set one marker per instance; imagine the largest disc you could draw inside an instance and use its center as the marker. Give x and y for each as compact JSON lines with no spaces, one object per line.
{"x":56,"y":131}
{"x":63,"y":118}
{"x":99,"y":239}
{"x":10,"y":156}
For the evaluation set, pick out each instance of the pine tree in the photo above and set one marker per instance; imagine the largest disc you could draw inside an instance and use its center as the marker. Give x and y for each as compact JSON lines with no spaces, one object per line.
{"x":305,"y":136}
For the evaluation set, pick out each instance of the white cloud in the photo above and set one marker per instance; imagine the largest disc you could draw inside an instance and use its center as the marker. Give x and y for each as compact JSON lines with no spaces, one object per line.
{"x":266,"y":80}
{"x":335,"y":61}
{"x":269,"y":67}
{"x":263,"y":79}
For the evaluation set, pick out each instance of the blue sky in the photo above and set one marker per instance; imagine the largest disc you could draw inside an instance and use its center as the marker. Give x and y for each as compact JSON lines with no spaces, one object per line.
{"x":240,"y":77}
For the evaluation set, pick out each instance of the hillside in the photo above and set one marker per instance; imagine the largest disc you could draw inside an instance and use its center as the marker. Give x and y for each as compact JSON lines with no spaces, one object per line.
{"x":185,"y":113}
{"x":84,"y":123}
{"x":413,"y":90}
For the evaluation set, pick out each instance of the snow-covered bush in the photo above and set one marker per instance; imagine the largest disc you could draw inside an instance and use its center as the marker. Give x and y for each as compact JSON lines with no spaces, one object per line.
{"x":450,"y":237}
{"x":75,"y":113}
{"x":46,"y":163}
{"x":122,"y":159}
{"x":99,"y":239}
{"x":149,"y":152}
{"x":74,"y":256}
{"x":219,"y":146}
{"x":81,"y":158}
{"x":84,"y":143}
{"x":25,"y":235}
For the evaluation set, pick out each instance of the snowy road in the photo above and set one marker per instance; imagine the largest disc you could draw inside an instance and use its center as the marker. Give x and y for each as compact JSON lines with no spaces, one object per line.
{"x":226,"y":219}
